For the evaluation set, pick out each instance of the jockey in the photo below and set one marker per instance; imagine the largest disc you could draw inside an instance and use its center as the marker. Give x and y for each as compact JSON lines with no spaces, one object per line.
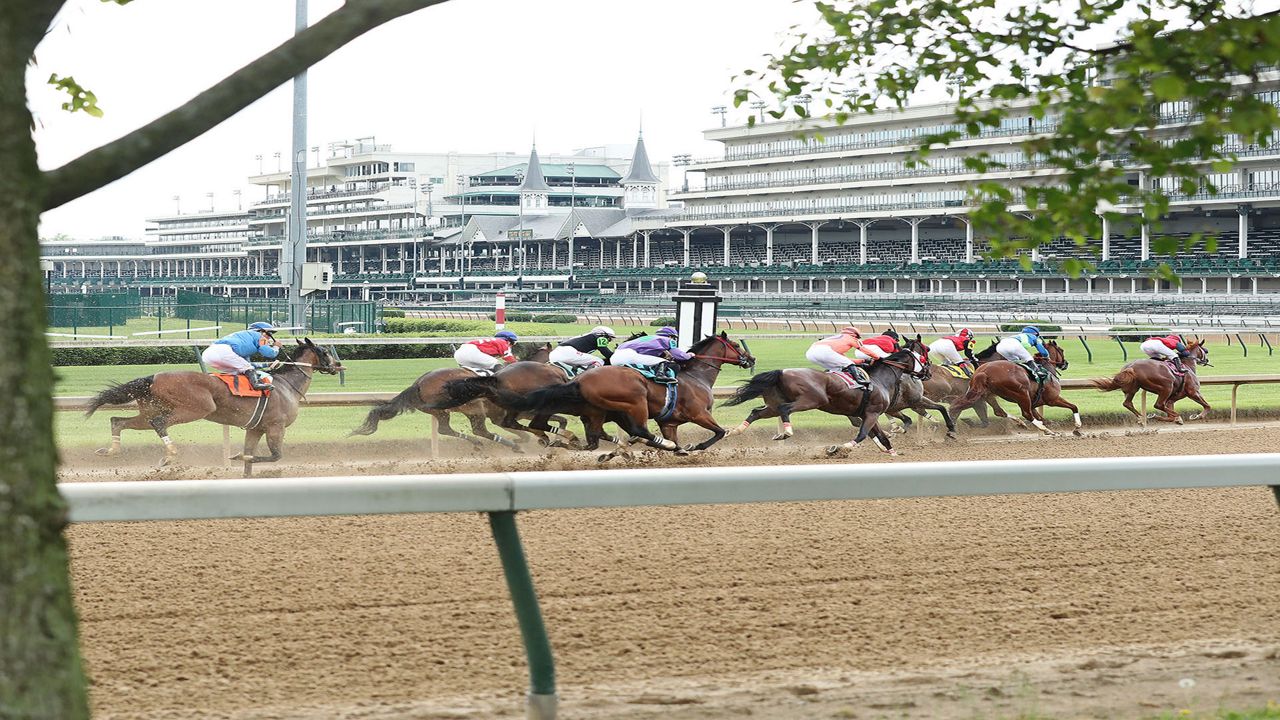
{"x":577,"y":351}
{"x":650,"y":350}
{"x":949,"y":348}
{"x":1168,"y":348}
{"x":829,"y":352}
{"x":484,"y":356}
{"x":874,"y":348}
{"x":231,"y":354}
{"x":1018,"y":348}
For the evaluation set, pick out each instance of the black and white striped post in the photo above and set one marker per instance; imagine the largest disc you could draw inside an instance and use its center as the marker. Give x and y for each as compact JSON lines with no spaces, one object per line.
{"x":696,"y":303}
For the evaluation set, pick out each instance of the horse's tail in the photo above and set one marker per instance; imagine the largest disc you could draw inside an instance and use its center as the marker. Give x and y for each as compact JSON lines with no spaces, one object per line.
{"x":121,"y":394}
{"x":401,"y":403}
{"x":977,"y":390}
{"x":1118,"y":382}
{"x":461,"y":392}
{"x":562,"y":398}
{"x":755,"y":387}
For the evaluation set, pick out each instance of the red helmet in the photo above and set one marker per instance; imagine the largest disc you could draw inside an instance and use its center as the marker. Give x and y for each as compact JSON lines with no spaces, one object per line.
{"x":965,"y":332}
{"x":850,"y":331}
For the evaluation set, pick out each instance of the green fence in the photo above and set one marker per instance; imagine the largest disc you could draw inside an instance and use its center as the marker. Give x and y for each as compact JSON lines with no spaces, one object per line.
{"x":94,"y":309}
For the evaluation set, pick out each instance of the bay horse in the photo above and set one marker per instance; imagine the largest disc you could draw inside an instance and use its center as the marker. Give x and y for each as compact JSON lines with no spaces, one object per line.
{"x":622,"y":395}
{"x":172,"y":398}
{"x":1010,"y":381}
{"x":941,"y":386}
{"x":1155,"y":376}
{"x":804,"y":388}
{"x":799,"y":389}
{"x":427,"y":395}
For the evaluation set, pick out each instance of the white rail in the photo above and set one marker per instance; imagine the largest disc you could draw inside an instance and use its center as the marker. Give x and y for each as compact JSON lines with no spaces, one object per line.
{"x":179,"y":330}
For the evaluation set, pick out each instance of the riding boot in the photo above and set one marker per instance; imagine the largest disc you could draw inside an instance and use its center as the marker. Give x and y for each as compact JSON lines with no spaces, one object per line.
{"x":256,"y":381}
{"x":856,"y":372}
{"x":667,"y":369}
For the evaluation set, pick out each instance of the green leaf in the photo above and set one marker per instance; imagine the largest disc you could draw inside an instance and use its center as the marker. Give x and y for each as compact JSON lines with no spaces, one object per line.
{"x":1168,"y":87}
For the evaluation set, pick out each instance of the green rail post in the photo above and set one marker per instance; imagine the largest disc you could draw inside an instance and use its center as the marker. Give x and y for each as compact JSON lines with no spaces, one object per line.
{"x":1086,"y":348}
{"x":542,"y":670}
{"x":1123,"y":350}
{"x":1243,"y":347}
{"x":342,"y":374}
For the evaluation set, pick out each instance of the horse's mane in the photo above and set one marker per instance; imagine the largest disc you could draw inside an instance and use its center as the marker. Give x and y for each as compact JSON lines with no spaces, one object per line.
{"x":532,"y":350}
{"x":984,"y":354}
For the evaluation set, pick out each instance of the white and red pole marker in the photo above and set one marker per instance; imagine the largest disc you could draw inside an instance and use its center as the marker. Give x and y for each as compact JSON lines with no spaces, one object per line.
{"x":500,"y":312}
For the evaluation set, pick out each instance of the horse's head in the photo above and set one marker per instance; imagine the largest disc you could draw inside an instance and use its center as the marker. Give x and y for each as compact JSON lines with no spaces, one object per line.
{"x":319,"y":359}
{"x":635,"y":336}
{"x":917,"y":346}
{"x":911,"y":362}
{"x":1057,"y":358}
{"x":540,"y":353}
{"x":721,"y":348}
{"x":1199,"y":353}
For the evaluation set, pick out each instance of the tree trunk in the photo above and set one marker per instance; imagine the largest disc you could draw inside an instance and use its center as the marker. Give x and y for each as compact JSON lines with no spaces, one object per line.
{"x":40,"y":671}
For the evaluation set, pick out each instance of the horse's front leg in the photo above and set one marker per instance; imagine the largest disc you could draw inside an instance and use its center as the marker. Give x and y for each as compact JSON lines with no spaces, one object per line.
{"x":870,"y":424}
{"x":1195,"y":396}
{"x":1059,"y":401}
{"x":703,"y":419}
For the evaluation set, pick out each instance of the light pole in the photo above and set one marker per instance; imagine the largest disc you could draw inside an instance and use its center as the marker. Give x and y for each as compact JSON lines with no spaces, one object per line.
{"x":427,"y":189}
{"x":721,"y":111}
{"x":259,"y":159}
{"x":572,"y":169}
{"x":759,"y":105}
{"x":520,"y":234}
{"x":277,"y":157}
{"x":683,"y":160}
{"x":237,"y":194}
{"x":210,"y":196}
{"x":177,"y":204}
{"x":316,"y":149}
{"x":803,"y":101}
{"x":463,"y":183}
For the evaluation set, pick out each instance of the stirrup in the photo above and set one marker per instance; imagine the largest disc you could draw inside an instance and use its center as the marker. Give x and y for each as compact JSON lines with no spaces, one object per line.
{"x":255,"y":380}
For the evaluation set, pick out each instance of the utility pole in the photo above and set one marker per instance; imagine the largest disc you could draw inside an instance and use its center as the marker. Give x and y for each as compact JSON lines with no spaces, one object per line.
{"x":294,"y":250}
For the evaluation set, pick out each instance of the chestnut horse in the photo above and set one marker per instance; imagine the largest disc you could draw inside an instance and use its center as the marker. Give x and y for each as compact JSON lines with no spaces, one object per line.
{"x":941,"y":386}
{"x":622,"y":395}
{"x":427,"y":393}
{"x":1009,"y":381}
{"x":172,"y":398}
{"x":804,"y":388}
{"x":1155,"y":376}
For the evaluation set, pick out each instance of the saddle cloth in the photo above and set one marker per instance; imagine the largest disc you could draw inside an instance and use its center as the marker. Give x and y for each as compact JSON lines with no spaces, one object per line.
{"x":653,"y":374}
{"x":571,"y":371}
{"x":1037,"y":373}
{"x":239,"y":385}
{"x":1175,"y":367}
{"x":956,"y":371}
{"x":850,"y":380}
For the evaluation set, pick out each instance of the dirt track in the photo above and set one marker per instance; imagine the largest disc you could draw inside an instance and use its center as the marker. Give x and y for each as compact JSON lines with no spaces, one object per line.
{"x":1080,"y":605}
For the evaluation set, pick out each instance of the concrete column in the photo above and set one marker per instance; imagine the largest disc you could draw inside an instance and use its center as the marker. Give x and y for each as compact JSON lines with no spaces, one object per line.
{"x":602,"y":254}
{"x":1066,"y":285}
{"x":1204,"y":285}
{"x":635,"y":251}
{"x":813,"y":246}
{"x":915,"y":239}
{"x":1111,"y":286}
{"x":1255,"y":285}
{"x":863,"y":227}
{"x":726,"y":245}
{"x":1228,"y":284}
{"x":1146,"y":242}
{"x":1106,"y":239}
{"x":968,"y":242}
{"x":686,"y":234}
{"x":1243,"y":212}
{"x":646,"y":235}
{"x":617,"y":253}
{"x":554,"y":260}
{"x":768,"y":245}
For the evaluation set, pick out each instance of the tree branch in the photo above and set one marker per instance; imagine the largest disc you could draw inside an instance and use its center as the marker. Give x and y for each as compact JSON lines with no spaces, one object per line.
{"x":118,"y":158}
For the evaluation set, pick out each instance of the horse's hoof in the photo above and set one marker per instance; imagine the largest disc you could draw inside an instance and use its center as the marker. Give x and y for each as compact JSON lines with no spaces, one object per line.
{"x":166,"y":461}
{"x":781,"y":436}
{"x":837,"y":450}
{"x":951,"y":435}
{"x":681,"y":451}
{"x":105,"y":452}
{"x":1178,"y":421}
{"x":1077,"y":433}
{"x":892,"y":453}
{"x":1196,"y":416}
{"x":237,"y":456}
{"x":603,"y":458}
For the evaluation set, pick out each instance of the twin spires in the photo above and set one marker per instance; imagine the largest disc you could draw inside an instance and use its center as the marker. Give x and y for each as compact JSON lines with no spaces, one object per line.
{"x":640,"y":186}
{"x":534,"y":189}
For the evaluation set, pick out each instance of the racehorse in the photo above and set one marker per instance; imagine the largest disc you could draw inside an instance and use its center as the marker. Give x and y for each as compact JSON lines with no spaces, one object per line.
{"x":622,"y":395}
{"x":1010,"y":381}
{"x":427,"y":393}
{"x":172,"y":398}
{"x":804,"y":388}
{"x":799,"y":389}
{"x":1156,"y":377}
{"x":941,"y":386}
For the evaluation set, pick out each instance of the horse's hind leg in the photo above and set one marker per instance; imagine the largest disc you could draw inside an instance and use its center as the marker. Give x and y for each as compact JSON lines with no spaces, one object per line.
{"x":1164,"y":403}
{"x":251,"y":438}
{"x":758,"y":413}
{"x":1129,"y":394}
{"x":119,"y":424}
{"x":923,"y":405}
{"x":786,"y":409}
{"x":481,"y":431}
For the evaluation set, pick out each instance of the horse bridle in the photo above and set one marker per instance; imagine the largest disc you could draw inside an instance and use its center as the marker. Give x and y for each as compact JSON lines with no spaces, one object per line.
{"x":922,"y":362}
{"x":745,"y":360}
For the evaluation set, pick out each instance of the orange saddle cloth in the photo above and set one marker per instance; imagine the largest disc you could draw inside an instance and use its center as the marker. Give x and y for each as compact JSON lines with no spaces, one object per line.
{"x":239,"y":385}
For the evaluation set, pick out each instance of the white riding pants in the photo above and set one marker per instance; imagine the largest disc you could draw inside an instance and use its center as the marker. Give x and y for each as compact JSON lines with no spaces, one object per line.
{"x":869,"y":352}
{"x":473,"y":358}
{"x":1011,"y":349}
{"x":1158,"y":350}
{"x":223,"y":359}
{"x":627,"y":356}
{"x":825,"y":357}
{"x":945,"y":349}
{"x":567,"y":355}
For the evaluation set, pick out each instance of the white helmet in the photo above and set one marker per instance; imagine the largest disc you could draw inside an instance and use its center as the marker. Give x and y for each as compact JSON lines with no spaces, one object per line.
{"x":602,"y":330}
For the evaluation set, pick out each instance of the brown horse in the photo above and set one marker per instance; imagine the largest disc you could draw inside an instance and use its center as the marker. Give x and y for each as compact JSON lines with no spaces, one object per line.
{"x":624,"y":396}
{"x":1010,"y":381}
{"x":798,"y":389}
{"x":172,"y":398}
{"x":804,"y":388}
{"x":427,"y":395}
{"x":1155,"y":376}
{"x":941,"y":386}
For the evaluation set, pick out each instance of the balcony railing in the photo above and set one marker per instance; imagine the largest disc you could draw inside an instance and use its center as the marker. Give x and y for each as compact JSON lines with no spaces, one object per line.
{"x":287,"y":197}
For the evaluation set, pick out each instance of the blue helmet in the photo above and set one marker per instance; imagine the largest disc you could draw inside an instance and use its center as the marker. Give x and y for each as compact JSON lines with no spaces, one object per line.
{"x":264,"y":326}
{"x":1031,"y":330}
{"x":669,"y":332}
{"x":506,"y":335}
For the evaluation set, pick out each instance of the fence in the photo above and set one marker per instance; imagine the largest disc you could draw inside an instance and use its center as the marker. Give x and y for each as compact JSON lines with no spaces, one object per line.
{"x":501,"y":495}
{"x":111,"y":310}
{"x":94,"y":310}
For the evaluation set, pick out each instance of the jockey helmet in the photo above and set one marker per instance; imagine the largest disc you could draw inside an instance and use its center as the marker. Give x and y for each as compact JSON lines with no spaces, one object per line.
{"x":1031,"y":330}
{"x":850,"y":331}
{"x":506,"y":335}
{"x":965,"y":332}
{"x":265,"y":327}
{"x":604,"y":330}
{"x":667,"y":332}
{"x":891,"y":333}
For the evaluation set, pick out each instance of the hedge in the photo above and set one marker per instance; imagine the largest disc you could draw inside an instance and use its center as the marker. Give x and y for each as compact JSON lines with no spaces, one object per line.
{"x":554,"y":319}
{"x":392,"y":313}
{"x":662,"y":322}
{"x":426,"y":325}
{"x":1139,"y":332}
{"x":63,"y":357}
{"x":1017,"y":326}
{"x":514,"y":317}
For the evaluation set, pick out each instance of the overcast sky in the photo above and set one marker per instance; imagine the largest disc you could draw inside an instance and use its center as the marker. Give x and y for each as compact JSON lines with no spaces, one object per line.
{"x":470,"y":75}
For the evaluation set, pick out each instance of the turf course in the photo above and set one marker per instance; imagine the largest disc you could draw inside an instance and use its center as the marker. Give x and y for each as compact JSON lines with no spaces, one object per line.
{"x":331,"y":424}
